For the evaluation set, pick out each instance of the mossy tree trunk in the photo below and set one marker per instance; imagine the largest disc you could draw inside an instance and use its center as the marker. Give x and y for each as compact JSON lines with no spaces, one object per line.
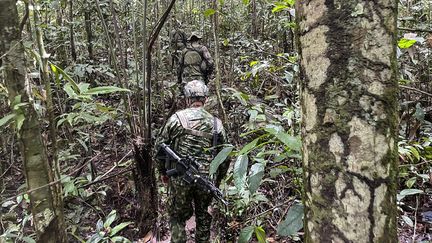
{"x":350,"y":121}
{"x":37,"y":170}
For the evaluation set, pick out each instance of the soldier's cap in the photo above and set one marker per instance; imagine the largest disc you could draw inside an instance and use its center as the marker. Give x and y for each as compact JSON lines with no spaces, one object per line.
{"x":194,"y":34}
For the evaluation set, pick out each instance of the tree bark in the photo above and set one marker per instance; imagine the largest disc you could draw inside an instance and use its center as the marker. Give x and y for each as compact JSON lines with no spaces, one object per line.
{"x":349,"y":110}
{"x":71,"y":28}
{"x":36,"y":165}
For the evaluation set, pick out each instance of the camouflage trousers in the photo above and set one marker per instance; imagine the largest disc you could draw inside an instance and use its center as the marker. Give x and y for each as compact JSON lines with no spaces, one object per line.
{"x":183,"y":200}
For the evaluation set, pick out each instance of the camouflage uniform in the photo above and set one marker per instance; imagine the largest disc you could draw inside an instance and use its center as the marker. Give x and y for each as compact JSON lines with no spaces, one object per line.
{"x":190,"y":132}
{"x":195,"y":63}
{"x":178,"y":43}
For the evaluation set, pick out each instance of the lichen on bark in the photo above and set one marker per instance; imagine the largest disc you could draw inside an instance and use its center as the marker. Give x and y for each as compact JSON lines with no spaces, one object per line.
{"x":349,"y":119}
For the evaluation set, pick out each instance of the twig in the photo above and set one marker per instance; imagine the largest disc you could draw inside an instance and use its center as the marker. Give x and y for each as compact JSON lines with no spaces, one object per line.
{"x":108,"y":177}
{"x":268,"y":210}
{"x":415,"y":29}
{"x":415,"y":220}
{"x":416,"y":90}
{"x":25,"y":18}
{"x":51,"y":183}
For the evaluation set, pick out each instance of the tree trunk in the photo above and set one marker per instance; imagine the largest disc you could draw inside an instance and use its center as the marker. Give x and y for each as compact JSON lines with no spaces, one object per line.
{"x":36,"y":166}
{"x":71,"y":28}
{"x":88,"y":28}
{"x":218,"y":83}
{"x":349,"y":111}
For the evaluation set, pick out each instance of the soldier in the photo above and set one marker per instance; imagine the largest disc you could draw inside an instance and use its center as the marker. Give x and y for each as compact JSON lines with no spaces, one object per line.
{"x":192,"y":132}
{"x":195,"y":62}
{"x":178,"y":43}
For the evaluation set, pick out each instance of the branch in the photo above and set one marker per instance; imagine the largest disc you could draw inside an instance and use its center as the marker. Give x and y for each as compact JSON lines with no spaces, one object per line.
{"x":152,"y":40}
{"x":415,"y":29}
{"x":416,"y":90}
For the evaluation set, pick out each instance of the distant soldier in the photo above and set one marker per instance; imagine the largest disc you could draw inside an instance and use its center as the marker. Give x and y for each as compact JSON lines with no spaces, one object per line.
{"x":178,"y":43}
{"x":196,"y":62}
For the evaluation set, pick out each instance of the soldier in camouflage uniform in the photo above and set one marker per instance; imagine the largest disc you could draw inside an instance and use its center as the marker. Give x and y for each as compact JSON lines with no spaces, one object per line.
{"x":178,"y":43}
{"x":192,"y":132}
{"x":196,"y":62}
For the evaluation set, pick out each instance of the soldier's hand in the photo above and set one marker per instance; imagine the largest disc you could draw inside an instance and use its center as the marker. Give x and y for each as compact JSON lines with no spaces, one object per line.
{"x":164,"y":179}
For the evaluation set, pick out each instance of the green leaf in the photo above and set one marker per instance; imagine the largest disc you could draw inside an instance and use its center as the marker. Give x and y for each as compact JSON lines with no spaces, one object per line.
{"x":405,"y":43}
{"x":253,"y":63}
{"x":246,"y":2}
{"x":19,"y":121}
{"x":293,"y":222}
{"x":28,"y":239}
{"x":256,"y":175}
{"x":240,"y":169}
{"x":246,"y":234}
{"x":260,"y":234}
{"x":248,"y":147}
{"x":408,"y":221}
{"x":407,"y":192}
{"x":291,"y":142}
{"x":83,"y":87}
{"x":110,"y":218}
{"x":69,"y":90}
{"x":119,"y":239}
{"x":209,"y":12}
{"x":219,"y":159}
{"x":104,"y":90}
{"x":409,"y":183}
{"x":419,"y":113}
{"x":119,"y":227}
{"x":5,"y":120}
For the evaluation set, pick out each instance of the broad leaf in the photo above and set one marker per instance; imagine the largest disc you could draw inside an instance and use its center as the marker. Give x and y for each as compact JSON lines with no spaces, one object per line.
{"x":407,"y":192}
{"x":6,"y":119}
{"x":293,"y":222}
{"x":105,"y":90}
{"x":219,"y":159}
{"x":248,"y":147}
{"x":406,"y":43}
{"x":246,"y":234}
{"x":408,"y":221}
{"x":260,"y":234}
{"x":119,"y":227}
{"x":256,"y":175}
{"x":110,"y":218}
{"x":240,"y":169}
{"x":209,"y":12}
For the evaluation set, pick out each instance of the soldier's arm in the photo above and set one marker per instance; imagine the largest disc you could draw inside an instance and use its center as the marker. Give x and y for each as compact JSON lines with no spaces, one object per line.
{"x":208,"y":59}
{"x":180,"y":68}
{"x":167,"y":134}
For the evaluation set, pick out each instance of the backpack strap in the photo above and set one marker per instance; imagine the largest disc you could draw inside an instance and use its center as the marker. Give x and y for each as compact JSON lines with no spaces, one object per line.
{"x":186,"y":126}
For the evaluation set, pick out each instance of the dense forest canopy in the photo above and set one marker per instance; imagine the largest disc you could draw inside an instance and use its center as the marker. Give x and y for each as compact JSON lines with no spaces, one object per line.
{"x":87,"y":85}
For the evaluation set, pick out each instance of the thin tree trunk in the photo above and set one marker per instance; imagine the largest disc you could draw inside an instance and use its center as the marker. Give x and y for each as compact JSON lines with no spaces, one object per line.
{"x":350,"y":119}
{"x":218,"y":84}
{"x":55,"y":166}
{"x":61,"y":49}
{"x":71,"y":30}
{"x":88,"y":28}
{"x":36,"y":165}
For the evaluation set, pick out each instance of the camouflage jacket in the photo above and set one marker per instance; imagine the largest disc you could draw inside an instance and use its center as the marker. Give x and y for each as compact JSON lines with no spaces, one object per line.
{"x":189,"y":132}
{"x":195,"y":63}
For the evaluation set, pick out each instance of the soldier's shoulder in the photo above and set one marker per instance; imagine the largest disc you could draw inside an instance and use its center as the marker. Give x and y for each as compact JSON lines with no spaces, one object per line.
{"x":191,"y":112}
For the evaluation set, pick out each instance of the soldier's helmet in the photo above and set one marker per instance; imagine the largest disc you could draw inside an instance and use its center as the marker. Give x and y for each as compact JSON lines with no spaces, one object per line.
{"x":195,"y":35}
{"x":195,"y":88}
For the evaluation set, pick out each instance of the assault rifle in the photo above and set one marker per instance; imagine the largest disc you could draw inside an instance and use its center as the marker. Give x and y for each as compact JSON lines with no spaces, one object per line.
{"x":187,"y":168}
